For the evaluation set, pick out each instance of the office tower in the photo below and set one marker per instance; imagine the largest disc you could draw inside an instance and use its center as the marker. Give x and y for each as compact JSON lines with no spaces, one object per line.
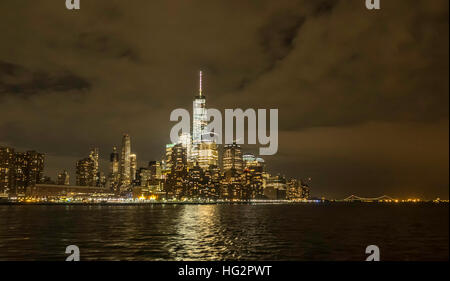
{"x":200,"y":115}
{"x":253,"y":177}
{"x":155,"y":170}
{"x":275,"y":188}
{"x":114,"y":171}
{"x":305,"y":188}
{"x":295,"y":190}
{"x":178,"y":158}
{"x":28,"y":170}
{"x":35,"y":168}
{"x":63,"y":178}
{"x":114,"y":162}
{"x":133,"y":167}
{"x":200,"y":120}
{"x":212,"y":179}
{"x":85,"y":175}
{"x":232,"y":158}
{"x":231,"y":187}
{"x":6,"y":169}
{"x":168,"y":158}
{"x":143,"y":177}
{"x":125,"y":165}
{"x":19,"y":170}
{"x":94,"y":156}
{"x":186,"y":141}
{"x":207,"y":154}
{"x":196,"y":181}
{"x":178,"y":173}
{"x":156,"y":176}
{"x":252,"y":183}
{"x":305,"y":191}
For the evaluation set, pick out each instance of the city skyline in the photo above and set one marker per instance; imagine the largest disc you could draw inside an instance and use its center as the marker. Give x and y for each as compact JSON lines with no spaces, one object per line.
{"x":221,"y":139}
{"x":193,"y":168}
{"x":191,"y":151}
{"x":357,"y":114}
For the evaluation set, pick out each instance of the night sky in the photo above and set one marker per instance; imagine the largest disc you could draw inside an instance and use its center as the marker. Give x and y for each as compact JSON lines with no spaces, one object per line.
{"x":362,"y":95}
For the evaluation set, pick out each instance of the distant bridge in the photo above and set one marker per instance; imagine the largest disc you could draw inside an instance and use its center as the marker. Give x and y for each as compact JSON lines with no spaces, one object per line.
{"x":364,"y":199}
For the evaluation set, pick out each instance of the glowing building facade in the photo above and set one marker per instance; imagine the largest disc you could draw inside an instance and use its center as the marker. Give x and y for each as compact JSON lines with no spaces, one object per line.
{"x":85,"y":175}
{"x":114,"y":162}
{"x":6,"y":169}
{"x":125,"y":164}
{"x":232,"y":158}
{"x":133,"y":167}
{"x":207,"y":154}
{"x":19,"y":170}
{"x":186,"y":141}
{"x":168,"y":158}
{"x":199,"y":122}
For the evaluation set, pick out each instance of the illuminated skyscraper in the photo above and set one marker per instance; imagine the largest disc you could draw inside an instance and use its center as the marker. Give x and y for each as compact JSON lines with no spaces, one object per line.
{"x":186,"y":141}
{"x":114,"y":162}
{"x":168,"y":158}
{"x":114,"y":170}
{"x":125,"y":164}
{"x":232,"y":158}
{"x":6,"y":169}
{"x":94,"y":156}
{"x":178,"y":174}
{"x":155,"y":170}
{"x":29,"y":168}
{"x":196,"y":181}
{"x":231,"y":187}
{"x":178,"y":158}
{"x":143,"y":176}
{"x":19,"y":170}
{"x":207,"y":154}
{"x":200,"y":121}
{"x":85,"y":175}
{"x":252,"y":182}
{"x":212,"y":178}
{"x":133,"y":167}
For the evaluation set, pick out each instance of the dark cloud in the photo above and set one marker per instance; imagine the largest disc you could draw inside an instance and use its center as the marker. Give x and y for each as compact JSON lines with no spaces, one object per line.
{"x":362,"y":95}
{"x":324,"y":7}
{"x":105,"y":45}
{"x":278,"y":35}
{"x":18,"y":81}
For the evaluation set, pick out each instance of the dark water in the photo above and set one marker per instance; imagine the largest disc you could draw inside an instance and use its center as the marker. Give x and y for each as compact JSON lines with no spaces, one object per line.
{"x":225,"y":232}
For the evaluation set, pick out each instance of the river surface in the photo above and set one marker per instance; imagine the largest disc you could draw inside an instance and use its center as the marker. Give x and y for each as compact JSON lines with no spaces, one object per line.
{"x":300,"y":232}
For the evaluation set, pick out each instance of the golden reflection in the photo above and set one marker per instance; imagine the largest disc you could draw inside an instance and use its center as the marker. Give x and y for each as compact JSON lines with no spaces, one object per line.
{"x":197,"y":223}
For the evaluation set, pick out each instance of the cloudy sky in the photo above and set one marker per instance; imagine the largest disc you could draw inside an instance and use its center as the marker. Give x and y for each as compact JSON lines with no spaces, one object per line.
{"x":362,"y":95}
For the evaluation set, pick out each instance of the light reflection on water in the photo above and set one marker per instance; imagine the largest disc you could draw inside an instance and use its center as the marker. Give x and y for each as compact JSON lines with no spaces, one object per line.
{"x":224,"y":232}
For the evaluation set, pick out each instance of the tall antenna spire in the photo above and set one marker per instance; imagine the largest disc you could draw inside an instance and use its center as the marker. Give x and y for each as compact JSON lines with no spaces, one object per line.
{"x":200,"y":93}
